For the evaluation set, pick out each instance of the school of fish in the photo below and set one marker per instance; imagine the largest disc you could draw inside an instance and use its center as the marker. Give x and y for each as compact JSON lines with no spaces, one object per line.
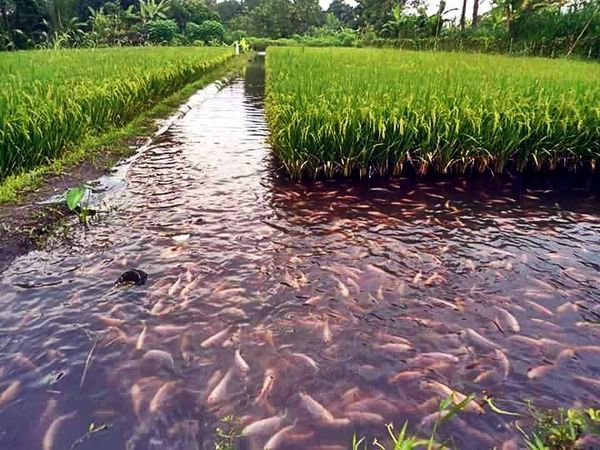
{"x":306,"y":313}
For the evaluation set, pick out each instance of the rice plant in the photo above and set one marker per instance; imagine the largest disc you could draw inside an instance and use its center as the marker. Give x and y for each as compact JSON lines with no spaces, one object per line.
{"x":50,"y":100}
{"x":360,"y":112}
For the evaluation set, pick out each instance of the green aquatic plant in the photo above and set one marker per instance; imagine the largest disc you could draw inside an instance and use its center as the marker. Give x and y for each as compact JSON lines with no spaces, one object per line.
{"x":561,"y":429}
{"x":363,"y":112}
{"x":77,"y":200}
{"x":227,"y":433}
{"x":402,"y":440}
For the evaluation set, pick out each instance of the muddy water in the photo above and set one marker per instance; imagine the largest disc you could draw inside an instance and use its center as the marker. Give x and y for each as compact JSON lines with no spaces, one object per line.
{"x":374,"y":301}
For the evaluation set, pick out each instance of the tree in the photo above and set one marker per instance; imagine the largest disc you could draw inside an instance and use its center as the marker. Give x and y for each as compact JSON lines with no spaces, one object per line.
{"x":475,"y":13}
{"x":306,"y":14}
{"x":208,"y":31}
{"x":376,"y":12}
{"x":229,"y":9}
{"x":343,"y":12}
{"x":271,"y":18}
{"x":184,"y":11}
{"x":162,"y":31}
{"x":463,"y":15}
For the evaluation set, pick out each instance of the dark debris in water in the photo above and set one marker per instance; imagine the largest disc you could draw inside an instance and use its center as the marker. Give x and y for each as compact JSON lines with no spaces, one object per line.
{"x":135,"y":276}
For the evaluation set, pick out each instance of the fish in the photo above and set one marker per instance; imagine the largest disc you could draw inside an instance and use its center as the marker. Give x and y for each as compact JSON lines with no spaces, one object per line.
{"x":394,"y":347}
{"x":433,"y":278}
{"x":315,"y":299}
{"x":511,"y":444}
{"x":457,"y":397}
{"x":278,"y":438}
{"x":508,"y":319}
{"x":170,"y":329}
{"x":307,"y":359}
{"x":139,"y":344}
{"x":504,"y":363}
{"x":233,"y":313}
{"x":228,"y":292}
{"x":213,"y":380}
{"x":159,"y":308}
{"x":267,"y":386}
{"x":477,"y":340}
{"x":430,"y":358}
{"x":175,"y":286}
{"x":391,"y":338}
{"x":378,"y":405}
{"x":187,"y":290}
{"x":417,"y":277}
{"x":10,"y":392}
{"x":216,"y":338}
{"x":220,"y":391}
{"x":111,"y":321}
{"x":135,"y":392}
{"x":240,"y":364}
{"x":342,"y":288}
{"x":405,"y":375}
{"x":354,"y":284}
{"x":539,"y":308}
{"x":526,"y":340}
{"x":483,"y":376}
{"x":265,"y":426}
{"x":588,"y":350}
{"x":567,"y":307}
{"x":548,"y":325}
{"x":53,"y":429}
{"x":539,"y":371}
{"x":48,"y":413}
{"x":565,"y":356}
{"x":180,"y":238}
{"x":327,"y":335}
{"x":162,"y":357}
{"x":364,"y":418}
{"x":430,"y":419}
{"x":315,"y":409}
{"x":592,"y":382}
{"x":160,"y":396}
{"x":377,"y":270}
{"x":23,"y":361}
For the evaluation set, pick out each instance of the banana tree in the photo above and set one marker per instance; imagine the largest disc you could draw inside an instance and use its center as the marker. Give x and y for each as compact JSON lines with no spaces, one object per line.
{"x":152,"y":10}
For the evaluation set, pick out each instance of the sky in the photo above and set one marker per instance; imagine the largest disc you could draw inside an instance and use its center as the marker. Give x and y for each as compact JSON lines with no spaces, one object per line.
{"x":432,"y":6}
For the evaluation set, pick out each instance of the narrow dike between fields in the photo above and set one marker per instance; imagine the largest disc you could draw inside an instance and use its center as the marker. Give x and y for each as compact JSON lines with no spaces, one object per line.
{"x":327,"y":308}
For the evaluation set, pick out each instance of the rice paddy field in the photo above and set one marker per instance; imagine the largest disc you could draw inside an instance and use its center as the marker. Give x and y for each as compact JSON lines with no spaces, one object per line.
{"x":49,"y":100}
{"x":359,"y":112}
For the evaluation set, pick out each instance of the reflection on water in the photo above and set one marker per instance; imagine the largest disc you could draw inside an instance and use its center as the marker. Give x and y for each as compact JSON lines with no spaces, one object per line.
{"x":328,"y":307}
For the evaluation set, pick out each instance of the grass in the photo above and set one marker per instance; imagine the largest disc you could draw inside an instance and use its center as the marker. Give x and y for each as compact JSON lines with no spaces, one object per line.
{"x":561,"y":429}
{"x":105,"y":148}
{"x":52,"y":100}
{"x":360,"y":112}
{"x":402,"y":440}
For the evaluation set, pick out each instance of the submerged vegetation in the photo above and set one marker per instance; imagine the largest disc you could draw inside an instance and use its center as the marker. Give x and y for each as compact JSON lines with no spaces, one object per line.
{"x":52,"y":100}
{"x":359,"y":112}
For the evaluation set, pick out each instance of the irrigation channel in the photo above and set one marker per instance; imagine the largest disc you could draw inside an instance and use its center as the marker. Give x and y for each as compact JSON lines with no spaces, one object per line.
{"x":262,"y":295}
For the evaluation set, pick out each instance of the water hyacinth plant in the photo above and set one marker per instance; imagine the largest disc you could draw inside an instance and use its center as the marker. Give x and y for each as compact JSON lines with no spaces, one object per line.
{"x":358,"y":112}
{"x":52,"y":99}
